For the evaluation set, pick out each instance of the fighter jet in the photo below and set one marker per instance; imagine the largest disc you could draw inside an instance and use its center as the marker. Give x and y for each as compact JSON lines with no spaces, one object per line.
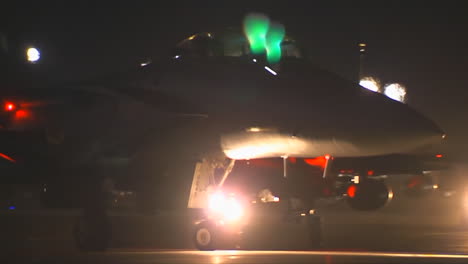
{"x":211,"y":102}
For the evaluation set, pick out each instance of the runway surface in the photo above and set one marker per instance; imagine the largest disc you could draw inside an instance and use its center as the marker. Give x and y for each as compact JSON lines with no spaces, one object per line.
{"x":410,"y":231}
{"x":218,"y":257}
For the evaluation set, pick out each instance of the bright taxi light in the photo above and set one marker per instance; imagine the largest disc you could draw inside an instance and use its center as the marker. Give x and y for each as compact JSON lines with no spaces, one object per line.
{"x":465,"y":200}
{"x":216,"y":202}
{"x":233,"y":210}
{"x":227,"y":208}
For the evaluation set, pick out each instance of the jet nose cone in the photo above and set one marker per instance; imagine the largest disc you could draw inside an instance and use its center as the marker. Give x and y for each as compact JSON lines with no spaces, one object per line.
{"x":409,"y":120}
{"x":423,"y":125}
{"x":400,"y":127}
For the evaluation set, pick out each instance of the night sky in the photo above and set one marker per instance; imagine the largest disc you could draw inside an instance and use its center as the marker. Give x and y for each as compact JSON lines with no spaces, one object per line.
{"x":422,"y":46}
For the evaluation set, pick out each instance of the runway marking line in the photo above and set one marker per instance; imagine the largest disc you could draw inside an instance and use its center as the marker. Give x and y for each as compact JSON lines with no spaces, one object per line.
{"x":305,"y":253}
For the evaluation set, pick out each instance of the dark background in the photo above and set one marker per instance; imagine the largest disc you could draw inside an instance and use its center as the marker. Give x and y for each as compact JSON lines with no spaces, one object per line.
{"x":415,"y":43}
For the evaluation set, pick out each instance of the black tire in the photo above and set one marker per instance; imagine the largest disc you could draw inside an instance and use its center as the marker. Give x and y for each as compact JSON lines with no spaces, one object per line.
{"x":315,"y":231}
{"x":92,"y":233}
{"x":204,"y":236}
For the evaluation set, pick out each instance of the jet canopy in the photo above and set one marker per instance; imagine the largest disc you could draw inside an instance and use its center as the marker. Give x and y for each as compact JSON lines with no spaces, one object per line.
{"x":230,"y":43}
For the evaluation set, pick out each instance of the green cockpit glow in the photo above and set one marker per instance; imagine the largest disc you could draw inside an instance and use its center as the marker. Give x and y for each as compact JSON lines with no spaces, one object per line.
{"x":256,"y":28}
{"x":274,"y":38}
{"x":264,"y":36}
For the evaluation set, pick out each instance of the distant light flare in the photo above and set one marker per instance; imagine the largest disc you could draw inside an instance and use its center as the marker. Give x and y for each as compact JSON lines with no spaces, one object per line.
{"x":395,"y":91}
{"x":33,"y":54}
{"x":370,"y":84}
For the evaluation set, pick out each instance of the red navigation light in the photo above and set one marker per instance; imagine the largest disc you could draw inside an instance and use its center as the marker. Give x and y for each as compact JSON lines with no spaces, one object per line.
{"x":352,"y":190}
{"x":20,"y":114}
{"x":370,"y":173}
{"x":415,"y":181}
{"x":318,"y":162}
{"x":9,"y":106}
{"x":7,"y":157}
{"x":439,"y":156}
